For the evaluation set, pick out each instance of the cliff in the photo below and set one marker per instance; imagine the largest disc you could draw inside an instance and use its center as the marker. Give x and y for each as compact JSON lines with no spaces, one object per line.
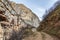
{"x":15,"y":19}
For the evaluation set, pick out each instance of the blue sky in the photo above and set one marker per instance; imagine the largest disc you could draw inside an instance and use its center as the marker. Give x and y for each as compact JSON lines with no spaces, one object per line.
{"x":37,"y":6}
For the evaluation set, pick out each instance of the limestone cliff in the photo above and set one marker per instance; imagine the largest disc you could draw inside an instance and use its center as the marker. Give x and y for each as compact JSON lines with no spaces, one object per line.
{"x":15,"y":19}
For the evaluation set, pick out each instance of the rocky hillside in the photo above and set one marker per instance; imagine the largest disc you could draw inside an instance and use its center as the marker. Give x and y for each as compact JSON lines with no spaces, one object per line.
{"x":15,"y":19}
{"x":51,"y":22}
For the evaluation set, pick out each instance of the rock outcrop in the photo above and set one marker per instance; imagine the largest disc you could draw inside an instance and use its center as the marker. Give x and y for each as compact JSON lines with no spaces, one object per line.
{"x":15,"y":19}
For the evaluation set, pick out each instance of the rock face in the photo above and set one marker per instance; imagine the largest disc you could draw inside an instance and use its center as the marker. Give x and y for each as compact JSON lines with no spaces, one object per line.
{"x":15,"y":19}
{"x":24,"y":13}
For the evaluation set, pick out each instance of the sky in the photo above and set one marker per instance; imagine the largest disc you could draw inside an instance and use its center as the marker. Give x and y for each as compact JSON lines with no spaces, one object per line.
{"x":37,"y":6}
